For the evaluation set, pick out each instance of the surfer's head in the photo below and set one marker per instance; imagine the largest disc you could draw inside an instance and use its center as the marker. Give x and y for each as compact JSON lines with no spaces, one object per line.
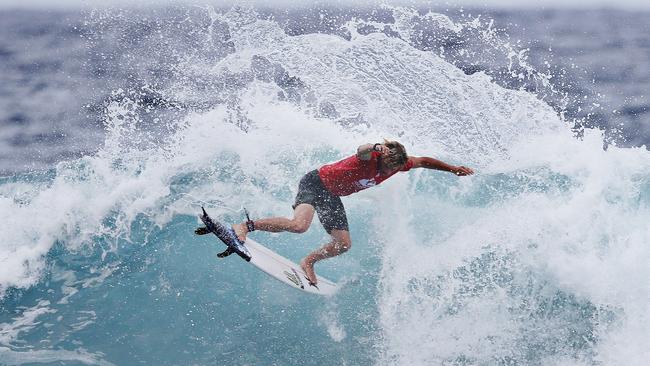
{"x":396,"y":156}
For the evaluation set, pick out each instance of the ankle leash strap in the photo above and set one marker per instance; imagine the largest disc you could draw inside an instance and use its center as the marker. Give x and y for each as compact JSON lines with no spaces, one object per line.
{"x":250,"y":224}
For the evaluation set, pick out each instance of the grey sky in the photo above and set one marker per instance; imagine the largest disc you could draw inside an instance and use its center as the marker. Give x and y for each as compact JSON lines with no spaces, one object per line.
{"x":625,"y":4}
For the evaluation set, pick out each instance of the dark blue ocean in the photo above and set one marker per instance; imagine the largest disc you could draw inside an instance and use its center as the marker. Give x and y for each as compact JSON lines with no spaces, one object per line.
{"x":117,"y":124}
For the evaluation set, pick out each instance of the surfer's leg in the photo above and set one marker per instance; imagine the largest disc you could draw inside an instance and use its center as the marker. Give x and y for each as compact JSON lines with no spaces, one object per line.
{"x":341,"y":243}
{"x":332,"y":215}
{"x":303,"y":210}
{"x":302,"y":217}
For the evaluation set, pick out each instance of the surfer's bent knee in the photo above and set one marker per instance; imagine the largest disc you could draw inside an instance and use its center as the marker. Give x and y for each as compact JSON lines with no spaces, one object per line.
{"x":343,"y":245}
{"x":299,"y":226}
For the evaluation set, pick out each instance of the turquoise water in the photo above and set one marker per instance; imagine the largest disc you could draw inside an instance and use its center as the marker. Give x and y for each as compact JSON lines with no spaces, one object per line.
{"x":539,"y":259}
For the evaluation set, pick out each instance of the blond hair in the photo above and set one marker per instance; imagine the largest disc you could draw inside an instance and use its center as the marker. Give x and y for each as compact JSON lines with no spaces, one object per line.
{"x":397,"y":155}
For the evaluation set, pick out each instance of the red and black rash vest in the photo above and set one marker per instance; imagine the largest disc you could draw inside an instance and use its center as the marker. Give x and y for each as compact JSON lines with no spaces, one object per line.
{"x":352,"y":174}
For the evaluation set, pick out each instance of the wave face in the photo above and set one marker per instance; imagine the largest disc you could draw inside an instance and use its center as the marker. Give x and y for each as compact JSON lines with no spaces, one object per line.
{"x":539,"y":259}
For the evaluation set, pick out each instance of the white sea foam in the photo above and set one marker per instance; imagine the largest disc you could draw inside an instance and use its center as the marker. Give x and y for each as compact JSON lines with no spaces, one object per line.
{"x":11,"y":357}
{"x":563,"y":261}
{"x":24,"y":322}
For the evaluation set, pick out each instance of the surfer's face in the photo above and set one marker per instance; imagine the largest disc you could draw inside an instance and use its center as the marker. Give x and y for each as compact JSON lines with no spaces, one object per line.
{"x":390,"y":163}
{"x":391,"y":160}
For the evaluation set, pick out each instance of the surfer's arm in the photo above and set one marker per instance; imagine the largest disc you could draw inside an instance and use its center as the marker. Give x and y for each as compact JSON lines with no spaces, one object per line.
{"x":364,"y":152}
{"x":431,"y":163}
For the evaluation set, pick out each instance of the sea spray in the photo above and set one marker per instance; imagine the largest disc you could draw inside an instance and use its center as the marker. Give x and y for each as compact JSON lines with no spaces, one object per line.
{"x":540,"y":258}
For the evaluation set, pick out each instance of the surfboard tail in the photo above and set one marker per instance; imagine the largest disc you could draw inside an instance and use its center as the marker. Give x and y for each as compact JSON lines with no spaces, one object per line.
{"x":227,"y":236}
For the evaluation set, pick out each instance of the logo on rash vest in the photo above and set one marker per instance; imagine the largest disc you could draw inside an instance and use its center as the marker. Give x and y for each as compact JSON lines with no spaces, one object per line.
{"x":295,"y":278}
{"x":366,"y":183}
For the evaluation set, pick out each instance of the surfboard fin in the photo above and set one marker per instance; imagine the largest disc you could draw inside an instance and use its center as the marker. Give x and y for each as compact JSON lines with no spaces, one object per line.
{"x":201,"y":230}
{"x":225,"y":253}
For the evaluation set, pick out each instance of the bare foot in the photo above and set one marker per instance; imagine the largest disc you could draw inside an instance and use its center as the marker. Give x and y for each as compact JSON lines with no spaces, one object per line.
{"x":308,"y":268}
{"x":241,"y":231}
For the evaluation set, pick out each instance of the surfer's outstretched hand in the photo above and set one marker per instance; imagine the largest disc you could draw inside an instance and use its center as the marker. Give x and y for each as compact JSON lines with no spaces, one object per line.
{"x":462,"y":171}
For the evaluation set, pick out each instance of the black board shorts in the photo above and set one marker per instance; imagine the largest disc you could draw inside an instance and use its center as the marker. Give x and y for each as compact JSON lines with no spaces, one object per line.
{"x":329,"y":207}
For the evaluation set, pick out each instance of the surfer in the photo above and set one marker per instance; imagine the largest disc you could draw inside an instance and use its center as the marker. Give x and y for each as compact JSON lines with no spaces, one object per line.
{"x":321,"y":190}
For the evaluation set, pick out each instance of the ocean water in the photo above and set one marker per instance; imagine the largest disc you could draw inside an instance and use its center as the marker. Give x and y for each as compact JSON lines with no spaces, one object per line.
{"x":119,"y":124}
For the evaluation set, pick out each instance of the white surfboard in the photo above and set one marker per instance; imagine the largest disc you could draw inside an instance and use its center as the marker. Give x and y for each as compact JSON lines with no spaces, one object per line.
{"x":285,"y":270}
{"x":263,"y":258}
